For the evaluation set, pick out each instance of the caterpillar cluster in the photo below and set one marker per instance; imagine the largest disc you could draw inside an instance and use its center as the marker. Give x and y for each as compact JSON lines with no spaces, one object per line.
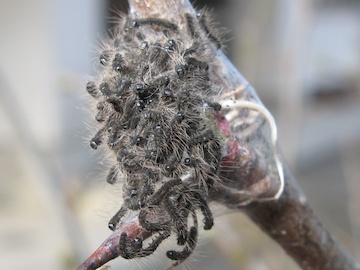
{"x":155,"y":108}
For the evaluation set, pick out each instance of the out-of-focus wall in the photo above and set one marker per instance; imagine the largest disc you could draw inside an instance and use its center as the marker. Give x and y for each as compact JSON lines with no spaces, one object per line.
{"x":46,"y":50}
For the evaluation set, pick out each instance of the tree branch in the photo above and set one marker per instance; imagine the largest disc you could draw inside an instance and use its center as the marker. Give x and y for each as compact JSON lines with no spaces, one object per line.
{"x":292,"y":223}
{"x":290,"y":220}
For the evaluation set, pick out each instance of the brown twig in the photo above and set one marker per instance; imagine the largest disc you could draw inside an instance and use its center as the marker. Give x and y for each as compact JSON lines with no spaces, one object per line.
{"x":290,"y":220}
{"x":292,"y":223}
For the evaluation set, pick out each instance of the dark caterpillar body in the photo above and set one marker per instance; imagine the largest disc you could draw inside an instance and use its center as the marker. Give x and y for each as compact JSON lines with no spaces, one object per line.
{"x":155,"y":107}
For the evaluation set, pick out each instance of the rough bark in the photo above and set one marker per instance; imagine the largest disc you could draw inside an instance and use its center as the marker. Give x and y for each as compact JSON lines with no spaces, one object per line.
{"x":290,"y":220}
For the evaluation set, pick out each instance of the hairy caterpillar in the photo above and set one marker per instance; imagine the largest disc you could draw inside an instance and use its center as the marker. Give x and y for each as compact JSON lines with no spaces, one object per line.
{"x":171,"y":137}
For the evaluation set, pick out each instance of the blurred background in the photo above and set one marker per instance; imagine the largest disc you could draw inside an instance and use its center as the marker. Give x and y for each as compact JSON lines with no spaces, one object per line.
{"x":303,"y":57}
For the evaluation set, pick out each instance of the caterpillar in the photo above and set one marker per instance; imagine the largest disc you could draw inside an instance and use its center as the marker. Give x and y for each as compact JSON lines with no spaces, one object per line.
{"x":160,"y":118}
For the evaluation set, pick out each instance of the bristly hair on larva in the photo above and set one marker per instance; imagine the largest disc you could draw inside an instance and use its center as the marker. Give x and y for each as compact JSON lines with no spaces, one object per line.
{"x":155,"y":101}
{"x":210,"y":27}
